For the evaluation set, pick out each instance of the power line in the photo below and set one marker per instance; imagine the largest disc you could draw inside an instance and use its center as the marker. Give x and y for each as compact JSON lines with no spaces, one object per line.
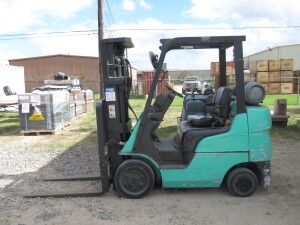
{"x":51,"y":36}
{"x":111,"y":15}
{"x":110,"y":20}
{"x":208,"y":28}
{"x":95,"y":31}
{"x":56,"y":32}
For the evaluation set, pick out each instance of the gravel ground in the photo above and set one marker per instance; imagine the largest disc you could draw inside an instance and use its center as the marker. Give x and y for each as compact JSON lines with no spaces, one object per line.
{"x":23,"y":164}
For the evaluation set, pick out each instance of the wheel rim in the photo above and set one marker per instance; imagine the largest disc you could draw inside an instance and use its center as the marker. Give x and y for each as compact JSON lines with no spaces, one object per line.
{"x":134,"y":181}
{"x":244,"y":185}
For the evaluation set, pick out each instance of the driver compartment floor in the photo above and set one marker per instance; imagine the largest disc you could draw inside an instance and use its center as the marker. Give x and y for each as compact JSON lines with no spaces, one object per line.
{"x":168,"y":152}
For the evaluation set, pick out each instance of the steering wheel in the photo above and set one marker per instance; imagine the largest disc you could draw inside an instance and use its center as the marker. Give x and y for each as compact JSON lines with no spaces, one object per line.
{"x":171,"y":89}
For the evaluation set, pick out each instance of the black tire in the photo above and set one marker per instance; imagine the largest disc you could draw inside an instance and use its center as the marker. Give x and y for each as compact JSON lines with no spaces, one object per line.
{"x":134,"y":179}
{"x":242,"y":182}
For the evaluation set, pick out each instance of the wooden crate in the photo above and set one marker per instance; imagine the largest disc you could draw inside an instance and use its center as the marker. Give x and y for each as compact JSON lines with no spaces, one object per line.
{"x":72,"y":98}
{"x":262,"y":77}
{"x":297,"y":73}
{"x":295,"y":89}
{"x":252,"y":66}
{"x":274,"y":65}
{"x":280,"y":106}
{"x":247,"y":77}
{"x":287,"y":76}
{"x":266,"y":86}
{"x":274,"y":77}
{"x":286,"y":88}
{"x":286,"y":64}
{"x":217,"y":81}
{"x":262,"y":65}
{"x":88,"y":107}
{"x":274,"y":88}
{"x":296,"y":77}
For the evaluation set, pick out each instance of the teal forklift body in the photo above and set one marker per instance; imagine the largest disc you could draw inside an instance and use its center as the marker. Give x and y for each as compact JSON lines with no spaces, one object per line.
{"x":205,"y":170}
{"x":235,"y":140}
{"x":214,"y":157}
{"x":247,"y":140}
{"x":259,"y":121}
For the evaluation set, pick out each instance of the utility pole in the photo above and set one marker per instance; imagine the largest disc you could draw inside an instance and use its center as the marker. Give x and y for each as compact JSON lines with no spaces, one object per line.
{"x":100,"y":37}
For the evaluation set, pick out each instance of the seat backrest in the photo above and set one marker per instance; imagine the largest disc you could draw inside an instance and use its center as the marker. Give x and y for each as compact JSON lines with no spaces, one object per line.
{"x":162,"y":102}
{"x":208,"y":91}
{"x":222,"y":102}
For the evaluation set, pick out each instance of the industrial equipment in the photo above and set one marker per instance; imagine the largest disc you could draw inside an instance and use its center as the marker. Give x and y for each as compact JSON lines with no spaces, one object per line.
{"x":222,"y":138}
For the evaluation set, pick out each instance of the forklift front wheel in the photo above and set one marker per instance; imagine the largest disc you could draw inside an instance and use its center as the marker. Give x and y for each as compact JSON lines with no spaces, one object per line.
{"x":242,"y":182}
{"x":134,"y":178}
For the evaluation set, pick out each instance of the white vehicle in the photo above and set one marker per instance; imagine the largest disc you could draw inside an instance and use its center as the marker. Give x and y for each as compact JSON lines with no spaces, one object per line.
{"x":194,"y":84}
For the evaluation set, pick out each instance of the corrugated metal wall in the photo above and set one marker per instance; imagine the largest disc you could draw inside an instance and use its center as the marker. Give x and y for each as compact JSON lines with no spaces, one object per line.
{"x":38,"y":69}
{"x":148,"y":78}
{"x":280,"y":52}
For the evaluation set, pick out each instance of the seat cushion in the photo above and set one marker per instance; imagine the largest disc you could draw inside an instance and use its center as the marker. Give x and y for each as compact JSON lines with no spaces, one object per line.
{"x":200,"y":120}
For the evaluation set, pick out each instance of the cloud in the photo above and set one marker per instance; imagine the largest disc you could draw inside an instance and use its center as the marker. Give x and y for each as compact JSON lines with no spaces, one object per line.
{"x":145,"y":41}
{"x":256,"y":40}
{"x":128,"y":5}
{"x":19,"y":15}
{"x":281,"y":11}
{"x":73,"y":44}
{"x":9,"y":54}
{"x":145,"y":5}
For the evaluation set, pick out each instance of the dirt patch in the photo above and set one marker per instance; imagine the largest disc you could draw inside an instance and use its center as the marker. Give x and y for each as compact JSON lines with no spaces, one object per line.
{"x":24,"y":161}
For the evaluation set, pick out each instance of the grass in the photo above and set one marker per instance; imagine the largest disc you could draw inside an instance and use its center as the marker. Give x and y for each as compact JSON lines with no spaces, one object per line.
{"x":290,"y":131}
{"x":9,"y":122}
{"x":291,"y":99}
{"x":169,"y":125}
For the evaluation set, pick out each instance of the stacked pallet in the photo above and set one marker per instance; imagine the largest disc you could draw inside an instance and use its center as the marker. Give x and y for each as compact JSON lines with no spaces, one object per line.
{"x":81,"y":102}
{"x":296,"y":81}
{"x":88,"y":101}
{"x":43,"y":112}
{"x":275,"y":75}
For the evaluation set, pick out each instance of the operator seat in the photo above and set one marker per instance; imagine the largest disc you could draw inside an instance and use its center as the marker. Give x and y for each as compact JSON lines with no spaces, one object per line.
{"x":191,"y":131}
{"x":194,"y":104}
{"x":216,"y":113}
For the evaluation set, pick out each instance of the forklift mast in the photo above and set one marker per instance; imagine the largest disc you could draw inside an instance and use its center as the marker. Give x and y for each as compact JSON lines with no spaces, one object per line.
{"x":113,"y":122}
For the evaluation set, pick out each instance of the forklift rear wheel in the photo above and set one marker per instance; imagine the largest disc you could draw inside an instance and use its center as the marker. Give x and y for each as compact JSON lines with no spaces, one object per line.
{"x":242,"y":182}
{"x":134,"y":179}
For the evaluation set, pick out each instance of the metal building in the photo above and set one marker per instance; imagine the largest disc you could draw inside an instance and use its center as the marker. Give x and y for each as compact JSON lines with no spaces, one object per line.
{"x":279,"y":52}
{"x":38,"y":69}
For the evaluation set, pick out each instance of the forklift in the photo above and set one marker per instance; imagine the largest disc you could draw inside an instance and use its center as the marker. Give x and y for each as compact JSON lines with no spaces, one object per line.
{"x":222,"y":138}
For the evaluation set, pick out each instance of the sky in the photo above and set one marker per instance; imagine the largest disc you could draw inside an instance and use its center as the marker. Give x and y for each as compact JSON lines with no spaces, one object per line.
{"x":34,"y":28}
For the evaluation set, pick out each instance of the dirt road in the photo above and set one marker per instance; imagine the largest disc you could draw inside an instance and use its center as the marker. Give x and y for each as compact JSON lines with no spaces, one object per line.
{"x":25,"y":160}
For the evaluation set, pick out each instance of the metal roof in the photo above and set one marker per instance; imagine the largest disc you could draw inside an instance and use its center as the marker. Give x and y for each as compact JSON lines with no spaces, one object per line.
{"x":279,"y":52}
{"x":52,"y":56}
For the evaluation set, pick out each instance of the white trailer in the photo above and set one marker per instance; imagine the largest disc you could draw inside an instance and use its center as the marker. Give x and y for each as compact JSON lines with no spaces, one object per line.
{"x":12,"y":76}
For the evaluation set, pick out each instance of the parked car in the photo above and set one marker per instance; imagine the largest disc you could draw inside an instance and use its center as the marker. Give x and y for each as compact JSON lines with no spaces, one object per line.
{"x":192,"y":83}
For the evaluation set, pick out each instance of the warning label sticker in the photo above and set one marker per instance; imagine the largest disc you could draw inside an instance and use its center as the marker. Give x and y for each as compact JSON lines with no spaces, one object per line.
{"x":37,"y":115}
{"x":110,"y":94}
{"x":112,"y":111}
{"x":25,"y":108}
